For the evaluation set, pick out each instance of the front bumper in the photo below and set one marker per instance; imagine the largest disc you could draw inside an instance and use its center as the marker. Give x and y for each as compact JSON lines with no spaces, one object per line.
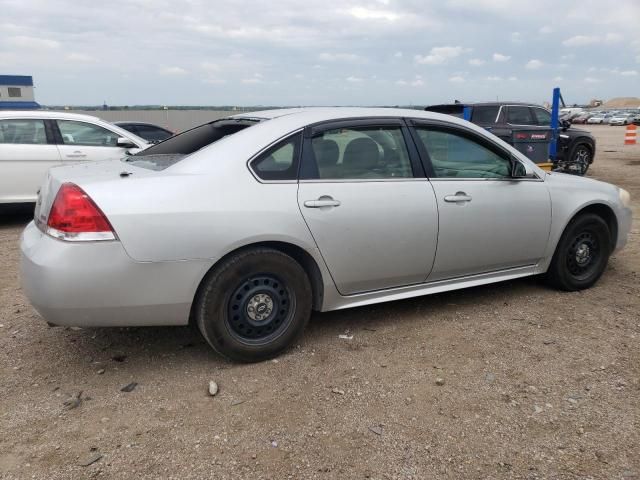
{"x":624,"y":227}
{"x":96,"y":284}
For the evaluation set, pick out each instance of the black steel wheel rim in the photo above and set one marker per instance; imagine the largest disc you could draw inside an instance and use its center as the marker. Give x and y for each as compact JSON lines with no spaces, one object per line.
{"x":583,"y":255}
{"x":260,"y":309}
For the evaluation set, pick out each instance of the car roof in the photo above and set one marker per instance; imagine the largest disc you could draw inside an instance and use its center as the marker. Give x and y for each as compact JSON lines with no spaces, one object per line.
{"x":487,"y":104}
{"x":283,"y":122}
{"x":47,"y":114}
{"x":133,"y":122}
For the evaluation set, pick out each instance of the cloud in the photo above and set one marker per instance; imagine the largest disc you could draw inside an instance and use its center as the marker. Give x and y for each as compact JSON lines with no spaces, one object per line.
{"x":512,"y":78}
{"x":339,"y":57}
{"x":558,"y":79}
{"x":440,"y":55}
{"x":498,"y":57}
{"x":533,"y":64}
{"x":545,"y":30}
{"x":79,"y":58}
{"x":629,"y":73}
{"x":494,"y":79}
{"x":353,"y":79}
{"x":591,"y":80}
{"x":476,"y":62}
{"x":456,"y":79}
{"x":32,"y":43}
{"x":362,"y":13}
{"x":398,"y":54}
{"x":586,"y":40}
{"x":178,"y":71}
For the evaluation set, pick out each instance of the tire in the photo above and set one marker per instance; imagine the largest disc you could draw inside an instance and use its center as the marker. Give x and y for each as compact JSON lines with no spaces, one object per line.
{"x":254,"y":305}
{"x":581,"y":157}
{"x":574,"y":267}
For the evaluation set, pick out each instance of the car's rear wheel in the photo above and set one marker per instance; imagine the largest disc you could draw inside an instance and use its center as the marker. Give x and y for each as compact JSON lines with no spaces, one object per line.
{"x":581,"y":158}
{"x":581,"y":254}
{"x":254,"y":304}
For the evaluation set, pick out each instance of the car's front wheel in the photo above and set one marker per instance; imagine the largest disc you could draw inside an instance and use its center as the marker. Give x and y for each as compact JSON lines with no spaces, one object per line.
{"x":581,"y":254}
{"x":254,"y":304}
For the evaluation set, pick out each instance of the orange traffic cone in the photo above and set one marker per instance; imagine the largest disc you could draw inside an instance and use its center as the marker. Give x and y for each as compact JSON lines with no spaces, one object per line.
{"x":630,"y":135}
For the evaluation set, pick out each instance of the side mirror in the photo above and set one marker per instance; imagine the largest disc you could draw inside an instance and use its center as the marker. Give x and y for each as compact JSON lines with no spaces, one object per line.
{"x":520,"y":169}
{"x":123,"y":142}
{"x":565,"y":124}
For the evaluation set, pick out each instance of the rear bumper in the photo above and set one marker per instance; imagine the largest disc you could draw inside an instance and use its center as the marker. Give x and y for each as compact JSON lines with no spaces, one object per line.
{"x":96,"y":284}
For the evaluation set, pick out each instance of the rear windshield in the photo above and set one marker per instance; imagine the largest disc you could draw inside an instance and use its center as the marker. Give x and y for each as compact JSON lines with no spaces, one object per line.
{"x":174,"y":149}
{"x":486,"y":114}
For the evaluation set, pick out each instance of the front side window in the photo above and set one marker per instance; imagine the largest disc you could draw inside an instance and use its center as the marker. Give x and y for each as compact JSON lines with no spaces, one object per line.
{"x":279,"y":162}
{"x":457,"y":156}
{"x":543,"y":117}
{"x":25,"y":132}
{"x":14,"y":92}
{"x":359,"y":153}
{"x":81,"y":133}
{"x":519,"y":115}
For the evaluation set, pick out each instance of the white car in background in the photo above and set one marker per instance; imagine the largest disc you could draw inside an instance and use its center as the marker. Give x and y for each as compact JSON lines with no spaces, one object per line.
{"x":31,"y":142}
{"x":621,"y":119}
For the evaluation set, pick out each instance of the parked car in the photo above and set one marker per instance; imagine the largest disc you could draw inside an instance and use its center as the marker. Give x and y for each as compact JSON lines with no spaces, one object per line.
{"x":599,"y":118}
{"x":576,"y":147}
{"x":582,"y":118}
{"x":150,"y":132}
{"x":301,"y":210}
{"x":33,"y":141}
{"x":621,"y":119}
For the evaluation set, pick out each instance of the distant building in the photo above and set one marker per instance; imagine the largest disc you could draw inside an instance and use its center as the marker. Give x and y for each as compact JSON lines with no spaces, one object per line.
{"x":16,"y":92}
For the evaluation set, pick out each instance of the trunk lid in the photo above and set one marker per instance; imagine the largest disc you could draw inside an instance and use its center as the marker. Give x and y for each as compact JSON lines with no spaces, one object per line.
{"x":81,"y":174}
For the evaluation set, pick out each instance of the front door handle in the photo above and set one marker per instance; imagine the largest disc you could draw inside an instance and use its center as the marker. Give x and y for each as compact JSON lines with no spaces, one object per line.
{"x":458,"y":197}
{"x":323,"y":201}
{"x":77,"y":154}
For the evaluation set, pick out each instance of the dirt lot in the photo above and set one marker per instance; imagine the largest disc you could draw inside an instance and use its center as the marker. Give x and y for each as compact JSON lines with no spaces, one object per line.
{"x":532,"y":383}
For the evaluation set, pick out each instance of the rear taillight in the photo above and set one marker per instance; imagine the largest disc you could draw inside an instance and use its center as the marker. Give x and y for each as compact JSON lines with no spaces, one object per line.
{"x":75,"y":217}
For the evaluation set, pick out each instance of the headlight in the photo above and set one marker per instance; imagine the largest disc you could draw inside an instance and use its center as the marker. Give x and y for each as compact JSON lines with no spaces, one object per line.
{"x":625,"y":197}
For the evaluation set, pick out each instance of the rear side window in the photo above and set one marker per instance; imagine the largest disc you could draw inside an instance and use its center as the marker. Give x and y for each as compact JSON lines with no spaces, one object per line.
{"x":358,"y":153}
{"x":25,"y":132}
{"x":82,"y":133}
{"x":517,"y":115}
{"x":485,"y":114}
{"x":279,"y":162}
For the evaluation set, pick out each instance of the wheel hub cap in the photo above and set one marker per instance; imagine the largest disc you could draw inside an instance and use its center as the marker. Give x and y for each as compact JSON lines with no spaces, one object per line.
{"x":583,"y":253}
{"x":259,"y":307}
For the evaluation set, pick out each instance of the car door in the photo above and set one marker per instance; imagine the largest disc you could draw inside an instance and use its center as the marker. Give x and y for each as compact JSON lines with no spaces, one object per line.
{"x":488,"y":220}
{"x":26,"y":153}
{"x":370,"y":209}
{"x":81,"y":141}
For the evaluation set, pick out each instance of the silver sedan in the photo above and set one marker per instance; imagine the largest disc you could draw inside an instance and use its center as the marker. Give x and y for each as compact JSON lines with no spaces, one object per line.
{"x":246,"y":225}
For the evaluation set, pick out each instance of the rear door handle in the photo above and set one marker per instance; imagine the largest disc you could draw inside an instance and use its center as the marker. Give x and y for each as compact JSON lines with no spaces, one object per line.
{"x":322,"y":202}
{"x":458,"y":197}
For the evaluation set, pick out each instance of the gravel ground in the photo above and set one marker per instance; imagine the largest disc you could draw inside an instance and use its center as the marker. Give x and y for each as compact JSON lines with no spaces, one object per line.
{"x":513,"y":380}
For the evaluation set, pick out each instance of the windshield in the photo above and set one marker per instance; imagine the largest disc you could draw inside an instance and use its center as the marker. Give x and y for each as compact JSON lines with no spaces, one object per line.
{"x":174,"y":149}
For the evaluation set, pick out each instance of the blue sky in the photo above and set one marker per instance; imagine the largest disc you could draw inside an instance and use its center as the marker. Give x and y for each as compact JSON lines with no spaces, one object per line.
{"x":286,"y":52}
